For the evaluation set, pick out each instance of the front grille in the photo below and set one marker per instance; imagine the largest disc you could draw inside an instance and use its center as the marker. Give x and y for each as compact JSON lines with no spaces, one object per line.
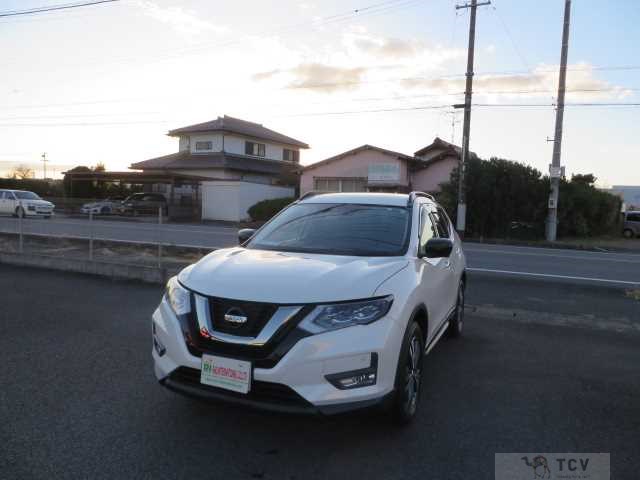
{"x":262,"y":392}
{"x":263,"y":356}
{"x":258,"y":314}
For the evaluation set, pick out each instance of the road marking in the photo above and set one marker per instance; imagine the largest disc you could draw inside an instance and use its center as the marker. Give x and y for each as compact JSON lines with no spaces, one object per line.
{"x":489,"y":247}
{"x":550,"y":275}
{"x":551,"y":255}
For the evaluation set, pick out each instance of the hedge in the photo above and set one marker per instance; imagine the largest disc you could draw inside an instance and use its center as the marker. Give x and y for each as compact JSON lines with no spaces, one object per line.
{"x":265,"y":209}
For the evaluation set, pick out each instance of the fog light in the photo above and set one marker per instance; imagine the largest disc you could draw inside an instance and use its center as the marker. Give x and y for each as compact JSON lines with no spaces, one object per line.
{"x":365,"y":377}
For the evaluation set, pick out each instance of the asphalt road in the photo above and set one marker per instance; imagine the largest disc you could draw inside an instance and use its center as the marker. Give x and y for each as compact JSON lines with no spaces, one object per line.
{"x":559,"y":264}
{"x":544,"y":366}
{"x":205,"y":236}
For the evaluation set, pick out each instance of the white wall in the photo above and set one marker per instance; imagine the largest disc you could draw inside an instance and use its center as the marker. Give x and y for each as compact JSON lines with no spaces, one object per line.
{"x":235,"y":144}
{"x":231,"y":144}
{"x":229,"y":201}
{"x":214,"y":138}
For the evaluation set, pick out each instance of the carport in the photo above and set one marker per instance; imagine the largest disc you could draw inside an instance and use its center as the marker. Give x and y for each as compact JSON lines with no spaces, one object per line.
{"x":182,"y":206}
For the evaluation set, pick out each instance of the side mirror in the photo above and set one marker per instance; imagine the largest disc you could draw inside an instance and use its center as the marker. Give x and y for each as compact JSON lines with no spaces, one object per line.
{"x":436,"y":248}
{"x":245,"y":234}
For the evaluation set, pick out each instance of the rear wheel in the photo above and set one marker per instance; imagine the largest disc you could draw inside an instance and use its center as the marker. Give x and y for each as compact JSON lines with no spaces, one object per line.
{"x":628,"y":233}
{"x":409,"y":375}
{"x":456,"y":323}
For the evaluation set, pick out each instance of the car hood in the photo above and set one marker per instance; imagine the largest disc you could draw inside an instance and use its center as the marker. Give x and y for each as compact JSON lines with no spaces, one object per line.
{"x":286,"y":277}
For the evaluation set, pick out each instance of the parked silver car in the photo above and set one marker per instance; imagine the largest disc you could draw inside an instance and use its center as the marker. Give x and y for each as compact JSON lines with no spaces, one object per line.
{"x":631,"y":225}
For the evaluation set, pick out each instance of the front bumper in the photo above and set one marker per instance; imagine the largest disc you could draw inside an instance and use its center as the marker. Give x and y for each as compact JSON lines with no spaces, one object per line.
{"x":297,"y":383}
{"x":39,"y":212}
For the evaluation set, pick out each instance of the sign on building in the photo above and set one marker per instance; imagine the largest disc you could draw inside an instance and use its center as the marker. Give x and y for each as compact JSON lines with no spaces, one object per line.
{"x":384,"y":173}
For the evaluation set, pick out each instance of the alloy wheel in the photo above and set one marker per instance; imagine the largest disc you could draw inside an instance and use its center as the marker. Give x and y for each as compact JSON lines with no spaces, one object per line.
{"x":413,"y":374}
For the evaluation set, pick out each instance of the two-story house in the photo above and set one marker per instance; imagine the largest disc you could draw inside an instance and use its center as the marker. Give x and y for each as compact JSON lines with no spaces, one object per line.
{"x":239,"y":162}
{"x":374,"y":169}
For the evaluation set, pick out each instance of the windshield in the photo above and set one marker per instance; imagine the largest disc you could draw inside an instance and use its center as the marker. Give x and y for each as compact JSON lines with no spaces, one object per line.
{"x":26,"y":196}
{"x":337,"y":229}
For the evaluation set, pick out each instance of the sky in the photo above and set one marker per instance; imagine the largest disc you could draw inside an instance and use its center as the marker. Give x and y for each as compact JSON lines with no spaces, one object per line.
{"x":104,"y":84}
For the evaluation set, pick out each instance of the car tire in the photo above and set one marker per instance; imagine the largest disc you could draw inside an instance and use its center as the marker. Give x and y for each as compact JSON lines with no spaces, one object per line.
{"x":20,"y":212}
{"x":105,"y":211}
{"x":456,"y":322}
{"x":628,"y":233}
{"x":409,"y":375}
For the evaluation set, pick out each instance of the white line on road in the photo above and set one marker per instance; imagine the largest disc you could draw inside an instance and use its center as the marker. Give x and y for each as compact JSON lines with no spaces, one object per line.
{"x":550,"y":275}
{"x":553,"y":255}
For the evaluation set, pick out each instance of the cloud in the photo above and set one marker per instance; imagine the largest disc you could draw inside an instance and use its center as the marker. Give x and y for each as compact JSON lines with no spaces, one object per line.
{"x":317,"y":77}
{"x":541,"y":82}
{"x":265,"y":75}
{"x":388,"y":47}
{"x":326,"y":78}
{"x":183,"y":21}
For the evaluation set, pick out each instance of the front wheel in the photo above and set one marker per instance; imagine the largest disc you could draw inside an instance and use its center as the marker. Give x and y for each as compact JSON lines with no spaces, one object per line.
{"x":456,"y":323}
{"x":409,"y":375}
{"x":628,"y":233}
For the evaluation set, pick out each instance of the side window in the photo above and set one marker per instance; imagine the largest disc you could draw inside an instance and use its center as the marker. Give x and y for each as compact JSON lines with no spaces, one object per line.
{"x":442,"y":223}
{"x":2,"y":195}
{"x":633,"y":217}
{"x":427,"y":229}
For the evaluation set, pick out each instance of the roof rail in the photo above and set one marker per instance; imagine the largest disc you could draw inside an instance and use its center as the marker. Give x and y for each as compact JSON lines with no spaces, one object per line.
{"x":309,"y":195}
{"x":414,"y":195}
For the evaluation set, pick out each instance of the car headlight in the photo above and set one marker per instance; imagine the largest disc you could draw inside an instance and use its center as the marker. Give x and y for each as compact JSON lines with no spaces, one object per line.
{"x":325,"y":318}
{"x":178,"y":297}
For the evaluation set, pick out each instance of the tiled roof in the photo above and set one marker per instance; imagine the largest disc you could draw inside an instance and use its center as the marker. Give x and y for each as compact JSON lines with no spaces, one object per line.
{"x":187,"y":160}
{"x":242,"y":127}
{"x":362,"y":148}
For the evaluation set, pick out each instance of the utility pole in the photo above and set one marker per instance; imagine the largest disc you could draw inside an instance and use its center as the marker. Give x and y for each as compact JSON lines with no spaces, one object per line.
{"x":44,"y":164}
{"x":466,"y":125}
{"x":555,"y":170}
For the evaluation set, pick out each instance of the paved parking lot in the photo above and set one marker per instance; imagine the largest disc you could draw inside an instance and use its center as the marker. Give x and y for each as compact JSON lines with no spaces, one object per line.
{"x":78,"y":398}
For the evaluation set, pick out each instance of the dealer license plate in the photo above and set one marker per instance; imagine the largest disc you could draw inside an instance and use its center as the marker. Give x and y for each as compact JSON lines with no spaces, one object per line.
{"x":226,"y":373}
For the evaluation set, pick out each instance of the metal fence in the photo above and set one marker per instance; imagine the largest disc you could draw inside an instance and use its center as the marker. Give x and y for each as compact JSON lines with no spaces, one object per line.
{"x":147,"y":241}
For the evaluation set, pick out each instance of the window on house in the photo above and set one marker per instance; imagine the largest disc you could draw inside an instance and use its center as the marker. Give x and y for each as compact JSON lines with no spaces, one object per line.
{"x":255,"y":149}
{"x":340,"y":185}
{"x":290,"y":155}
{"x":204,"y":146}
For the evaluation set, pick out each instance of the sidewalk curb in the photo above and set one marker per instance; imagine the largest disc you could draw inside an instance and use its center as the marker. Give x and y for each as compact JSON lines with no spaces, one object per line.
{"x":99,"y":268}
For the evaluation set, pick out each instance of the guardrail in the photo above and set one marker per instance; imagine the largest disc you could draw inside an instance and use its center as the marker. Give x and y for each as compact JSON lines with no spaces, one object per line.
{"x":145,"y":244}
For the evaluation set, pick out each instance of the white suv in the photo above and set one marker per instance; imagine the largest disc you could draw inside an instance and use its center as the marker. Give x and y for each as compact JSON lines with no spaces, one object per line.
{"x":327,"y":308}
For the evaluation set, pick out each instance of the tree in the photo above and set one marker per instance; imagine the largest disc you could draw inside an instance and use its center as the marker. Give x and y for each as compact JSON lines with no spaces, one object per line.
{"x":506,"y":198}
{"x":100,"y":167}
{"x":22,"y":172}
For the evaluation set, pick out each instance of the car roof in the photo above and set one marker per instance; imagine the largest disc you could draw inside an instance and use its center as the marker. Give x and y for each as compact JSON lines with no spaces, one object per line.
{"x":368,"y":198}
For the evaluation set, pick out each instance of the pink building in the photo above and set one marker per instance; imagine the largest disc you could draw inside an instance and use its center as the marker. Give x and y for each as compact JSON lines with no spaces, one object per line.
{"x":369,"y":168}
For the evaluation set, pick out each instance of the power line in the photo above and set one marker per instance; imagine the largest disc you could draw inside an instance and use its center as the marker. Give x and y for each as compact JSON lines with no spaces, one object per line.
{"x":337,"y":113}
{"x":496,"y":74}
{"x":31,"y":11}
{"x":511,"y":38}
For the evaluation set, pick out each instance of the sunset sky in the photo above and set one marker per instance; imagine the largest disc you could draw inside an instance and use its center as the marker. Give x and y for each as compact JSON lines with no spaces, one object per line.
{"x":105,"y":83}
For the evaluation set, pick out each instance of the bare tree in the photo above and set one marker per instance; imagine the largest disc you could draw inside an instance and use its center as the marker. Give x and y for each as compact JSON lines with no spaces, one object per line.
{"x":22,"y":172}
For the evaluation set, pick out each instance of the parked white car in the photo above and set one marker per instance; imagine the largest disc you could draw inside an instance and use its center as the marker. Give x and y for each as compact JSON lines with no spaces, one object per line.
{"x":327,"y":308}
{"x":22,"y":203}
